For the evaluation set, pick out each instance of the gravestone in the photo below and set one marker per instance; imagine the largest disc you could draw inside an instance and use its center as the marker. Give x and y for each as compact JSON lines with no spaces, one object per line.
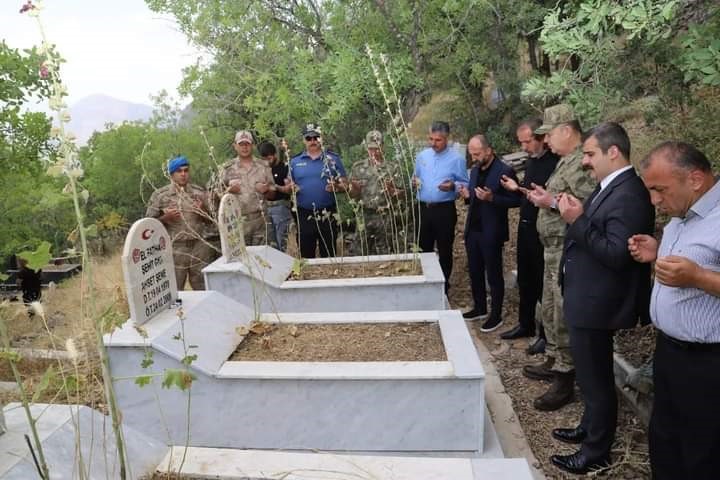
{"x":230,"y":225}
{"x":149,"y":270}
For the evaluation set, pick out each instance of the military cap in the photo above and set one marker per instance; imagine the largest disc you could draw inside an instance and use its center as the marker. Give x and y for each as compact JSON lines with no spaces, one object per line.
{"x":244,"y":136}
{"x":373,"y":139}
{"x":554,"y":116}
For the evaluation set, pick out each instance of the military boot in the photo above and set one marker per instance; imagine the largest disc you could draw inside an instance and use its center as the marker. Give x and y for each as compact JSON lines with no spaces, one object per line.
{"x":540,"y":371}
{"x":559,"y":394}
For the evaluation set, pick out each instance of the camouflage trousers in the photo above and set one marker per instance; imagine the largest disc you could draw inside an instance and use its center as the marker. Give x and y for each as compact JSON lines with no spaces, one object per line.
{"x":258,"y":229}
{"x":190,"y":257}
{"x":551,"y":312}
{"x":372,"y":238}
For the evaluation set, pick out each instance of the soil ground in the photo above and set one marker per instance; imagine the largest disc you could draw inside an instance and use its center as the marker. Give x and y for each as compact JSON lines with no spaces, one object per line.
{"x":630,"y":451}
{"x":358,"y":270}
{"x":630,"y":455}
{"x":379,"y":342}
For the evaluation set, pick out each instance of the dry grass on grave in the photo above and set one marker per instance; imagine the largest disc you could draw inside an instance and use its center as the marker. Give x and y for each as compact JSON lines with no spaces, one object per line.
{"x":375,"y":342}
{"x":395,"y":268}
{"x":62,"y":319}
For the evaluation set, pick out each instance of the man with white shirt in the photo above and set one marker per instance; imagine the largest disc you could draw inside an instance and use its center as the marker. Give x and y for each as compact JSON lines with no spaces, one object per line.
{"x":685,"y":308}
{"x":604,"y":288}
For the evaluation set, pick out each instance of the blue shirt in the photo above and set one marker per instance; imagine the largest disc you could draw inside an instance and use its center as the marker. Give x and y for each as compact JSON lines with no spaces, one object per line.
{"x":433,"y":168}
{"x":312,"y":176}
{"x":691,"y":314}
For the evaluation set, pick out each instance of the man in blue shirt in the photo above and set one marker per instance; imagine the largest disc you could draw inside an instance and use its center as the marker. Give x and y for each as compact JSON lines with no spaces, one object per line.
{"x":439,"y":172}
{"x":317,"y":175}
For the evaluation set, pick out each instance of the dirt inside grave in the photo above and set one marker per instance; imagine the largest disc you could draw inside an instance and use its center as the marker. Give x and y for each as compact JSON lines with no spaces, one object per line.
{"x":375,"y":342}
{"x":394,"y":268}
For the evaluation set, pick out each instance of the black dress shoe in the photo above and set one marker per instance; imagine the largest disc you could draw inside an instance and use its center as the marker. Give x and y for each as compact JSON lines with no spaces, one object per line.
{"x":570,"y":435}
{"x":518,"y":332}
{"x":538,"y":346}
{"x":578,"y":463}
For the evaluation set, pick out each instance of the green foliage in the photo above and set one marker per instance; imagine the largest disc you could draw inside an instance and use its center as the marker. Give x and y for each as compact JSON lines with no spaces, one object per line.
{"x":37,"y":258}
{"x":44,"y":383}
{"x":592,"y":41}
{"x":181,"y":379}
{"x":700,"y":58}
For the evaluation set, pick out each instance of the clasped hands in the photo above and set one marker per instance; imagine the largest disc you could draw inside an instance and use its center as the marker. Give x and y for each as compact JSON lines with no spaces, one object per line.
{"x":671,"y":270}
{"x":481,"y":193}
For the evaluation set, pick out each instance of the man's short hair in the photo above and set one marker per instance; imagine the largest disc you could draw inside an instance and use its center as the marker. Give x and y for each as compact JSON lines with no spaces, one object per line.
{"x":575,"y":125}
{"x":266,"y":148}
{"x":681,"y":155}
{"x":440,"y":127}
{"x":482,"y":139}
{"x":608,"y":134}
{"x":532,"y":124}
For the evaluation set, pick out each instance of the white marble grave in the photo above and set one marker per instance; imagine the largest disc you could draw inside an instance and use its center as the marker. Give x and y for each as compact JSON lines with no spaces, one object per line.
{"x":149,"y":271}
{"x":355,"y":406}
{"x":230,"y":226}
{"x":231,"y":464}
{"x":67,"y":434}
{"x":261,"y":279}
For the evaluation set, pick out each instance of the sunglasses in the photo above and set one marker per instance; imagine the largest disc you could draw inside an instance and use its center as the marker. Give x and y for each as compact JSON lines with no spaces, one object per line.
{"x":311,"y":138}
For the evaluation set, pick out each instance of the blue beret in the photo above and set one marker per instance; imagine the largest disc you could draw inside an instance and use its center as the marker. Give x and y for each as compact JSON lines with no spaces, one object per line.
{"x":176,"y":163}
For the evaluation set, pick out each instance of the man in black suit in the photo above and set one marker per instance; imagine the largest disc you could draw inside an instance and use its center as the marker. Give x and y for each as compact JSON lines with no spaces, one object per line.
{"x":486,"y":228}
{"x":604,"y":289}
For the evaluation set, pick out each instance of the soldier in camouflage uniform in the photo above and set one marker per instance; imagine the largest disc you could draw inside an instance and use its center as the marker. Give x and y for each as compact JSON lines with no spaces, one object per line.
{"x":182,"y":208}
{"x":563,"y":135}
{"x":251,"y":179}
{"x":373,"y":187}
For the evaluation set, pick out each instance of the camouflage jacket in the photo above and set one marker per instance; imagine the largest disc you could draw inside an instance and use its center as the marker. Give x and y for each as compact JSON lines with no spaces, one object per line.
{"x":192,"y":201}
{"x":568,"y":177}
{"x":250,"y":200}
{"x":373,"y":180}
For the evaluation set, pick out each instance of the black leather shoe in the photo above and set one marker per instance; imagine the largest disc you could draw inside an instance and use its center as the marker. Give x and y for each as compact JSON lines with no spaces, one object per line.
{"x":538,"y":346}
{"x":541,"y":371}
{"x":518,"y":332}
{"x":578,"y":463}
{"x":570,"y":435}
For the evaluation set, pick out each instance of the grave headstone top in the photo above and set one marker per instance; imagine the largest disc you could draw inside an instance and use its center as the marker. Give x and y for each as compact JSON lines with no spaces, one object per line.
{"x":149,"y":270}
{"x":230,"y":225}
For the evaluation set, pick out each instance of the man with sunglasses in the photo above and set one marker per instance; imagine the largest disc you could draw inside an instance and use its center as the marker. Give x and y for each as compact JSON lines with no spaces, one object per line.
{"x":317,"y":175}
{"x":182,"y":207}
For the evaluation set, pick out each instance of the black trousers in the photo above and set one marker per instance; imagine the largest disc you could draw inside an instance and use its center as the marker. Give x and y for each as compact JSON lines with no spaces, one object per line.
{"x":485,"y":259}
{"x":685,"y":425}
{"x":530,"y":266}
{"x":592,"y":352}
{"x":437,"y":226}
{"x":316,"y":230}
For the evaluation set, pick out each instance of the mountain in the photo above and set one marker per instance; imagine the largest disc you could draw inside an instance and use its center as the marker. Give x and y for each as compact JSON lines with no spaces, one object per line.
{"x":91,"y":113}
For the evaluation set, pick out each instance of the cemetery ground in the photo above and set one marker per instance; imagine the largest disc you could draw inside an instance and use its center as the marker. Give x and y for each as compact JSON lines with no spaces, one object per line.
{"x":62,"y":317}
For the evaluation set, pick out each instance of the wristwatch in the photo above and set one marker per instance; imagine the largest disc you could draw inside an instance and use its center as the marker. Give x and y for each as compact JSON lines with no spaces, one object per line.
{"x":554,"y":204}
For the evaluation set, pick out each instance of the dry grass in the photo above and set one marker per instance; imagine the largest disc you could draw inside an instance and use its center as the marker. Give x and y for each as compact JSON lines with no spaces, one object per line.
{"x":62,"y":319}
{"x":378,"y":342}
{"x":358,"y":270}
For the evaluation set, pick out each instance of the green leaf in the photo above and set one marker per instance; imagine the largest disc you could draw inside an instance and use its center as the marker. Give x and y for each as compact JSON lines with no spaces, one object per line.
{"x":3,"y":277}
{"x":37,"y":258}
{"x":43,"y":384}
{"x":143,"y":380}
{"x":178,"y":378}
{"x":147,"y":359}
{"x":189,"y":359}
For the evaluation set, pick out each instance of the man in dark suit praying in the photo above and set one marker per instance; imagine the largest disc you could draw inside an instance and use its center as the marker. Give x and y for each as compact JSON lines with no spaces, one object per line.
{"x":486,"y":229}
{"x":604,"y":289}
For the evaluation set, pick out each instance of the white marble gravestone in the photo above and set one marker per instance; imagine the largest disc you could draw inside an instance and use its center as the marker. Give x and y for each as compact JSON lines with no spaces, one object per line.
{"x":149,"y":270}
{"x":230,"y":225}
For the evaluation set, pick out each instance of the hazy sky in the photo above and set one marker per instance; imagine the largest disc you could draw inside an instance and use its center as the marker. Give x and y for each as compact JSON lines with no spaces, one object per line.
{"x":114,"y":47}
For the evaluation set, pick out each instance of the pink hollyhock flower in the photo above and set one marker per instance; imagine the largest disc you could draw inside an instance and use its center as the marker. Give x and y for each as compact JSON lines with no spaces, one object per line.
{"x":44,"y":72}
